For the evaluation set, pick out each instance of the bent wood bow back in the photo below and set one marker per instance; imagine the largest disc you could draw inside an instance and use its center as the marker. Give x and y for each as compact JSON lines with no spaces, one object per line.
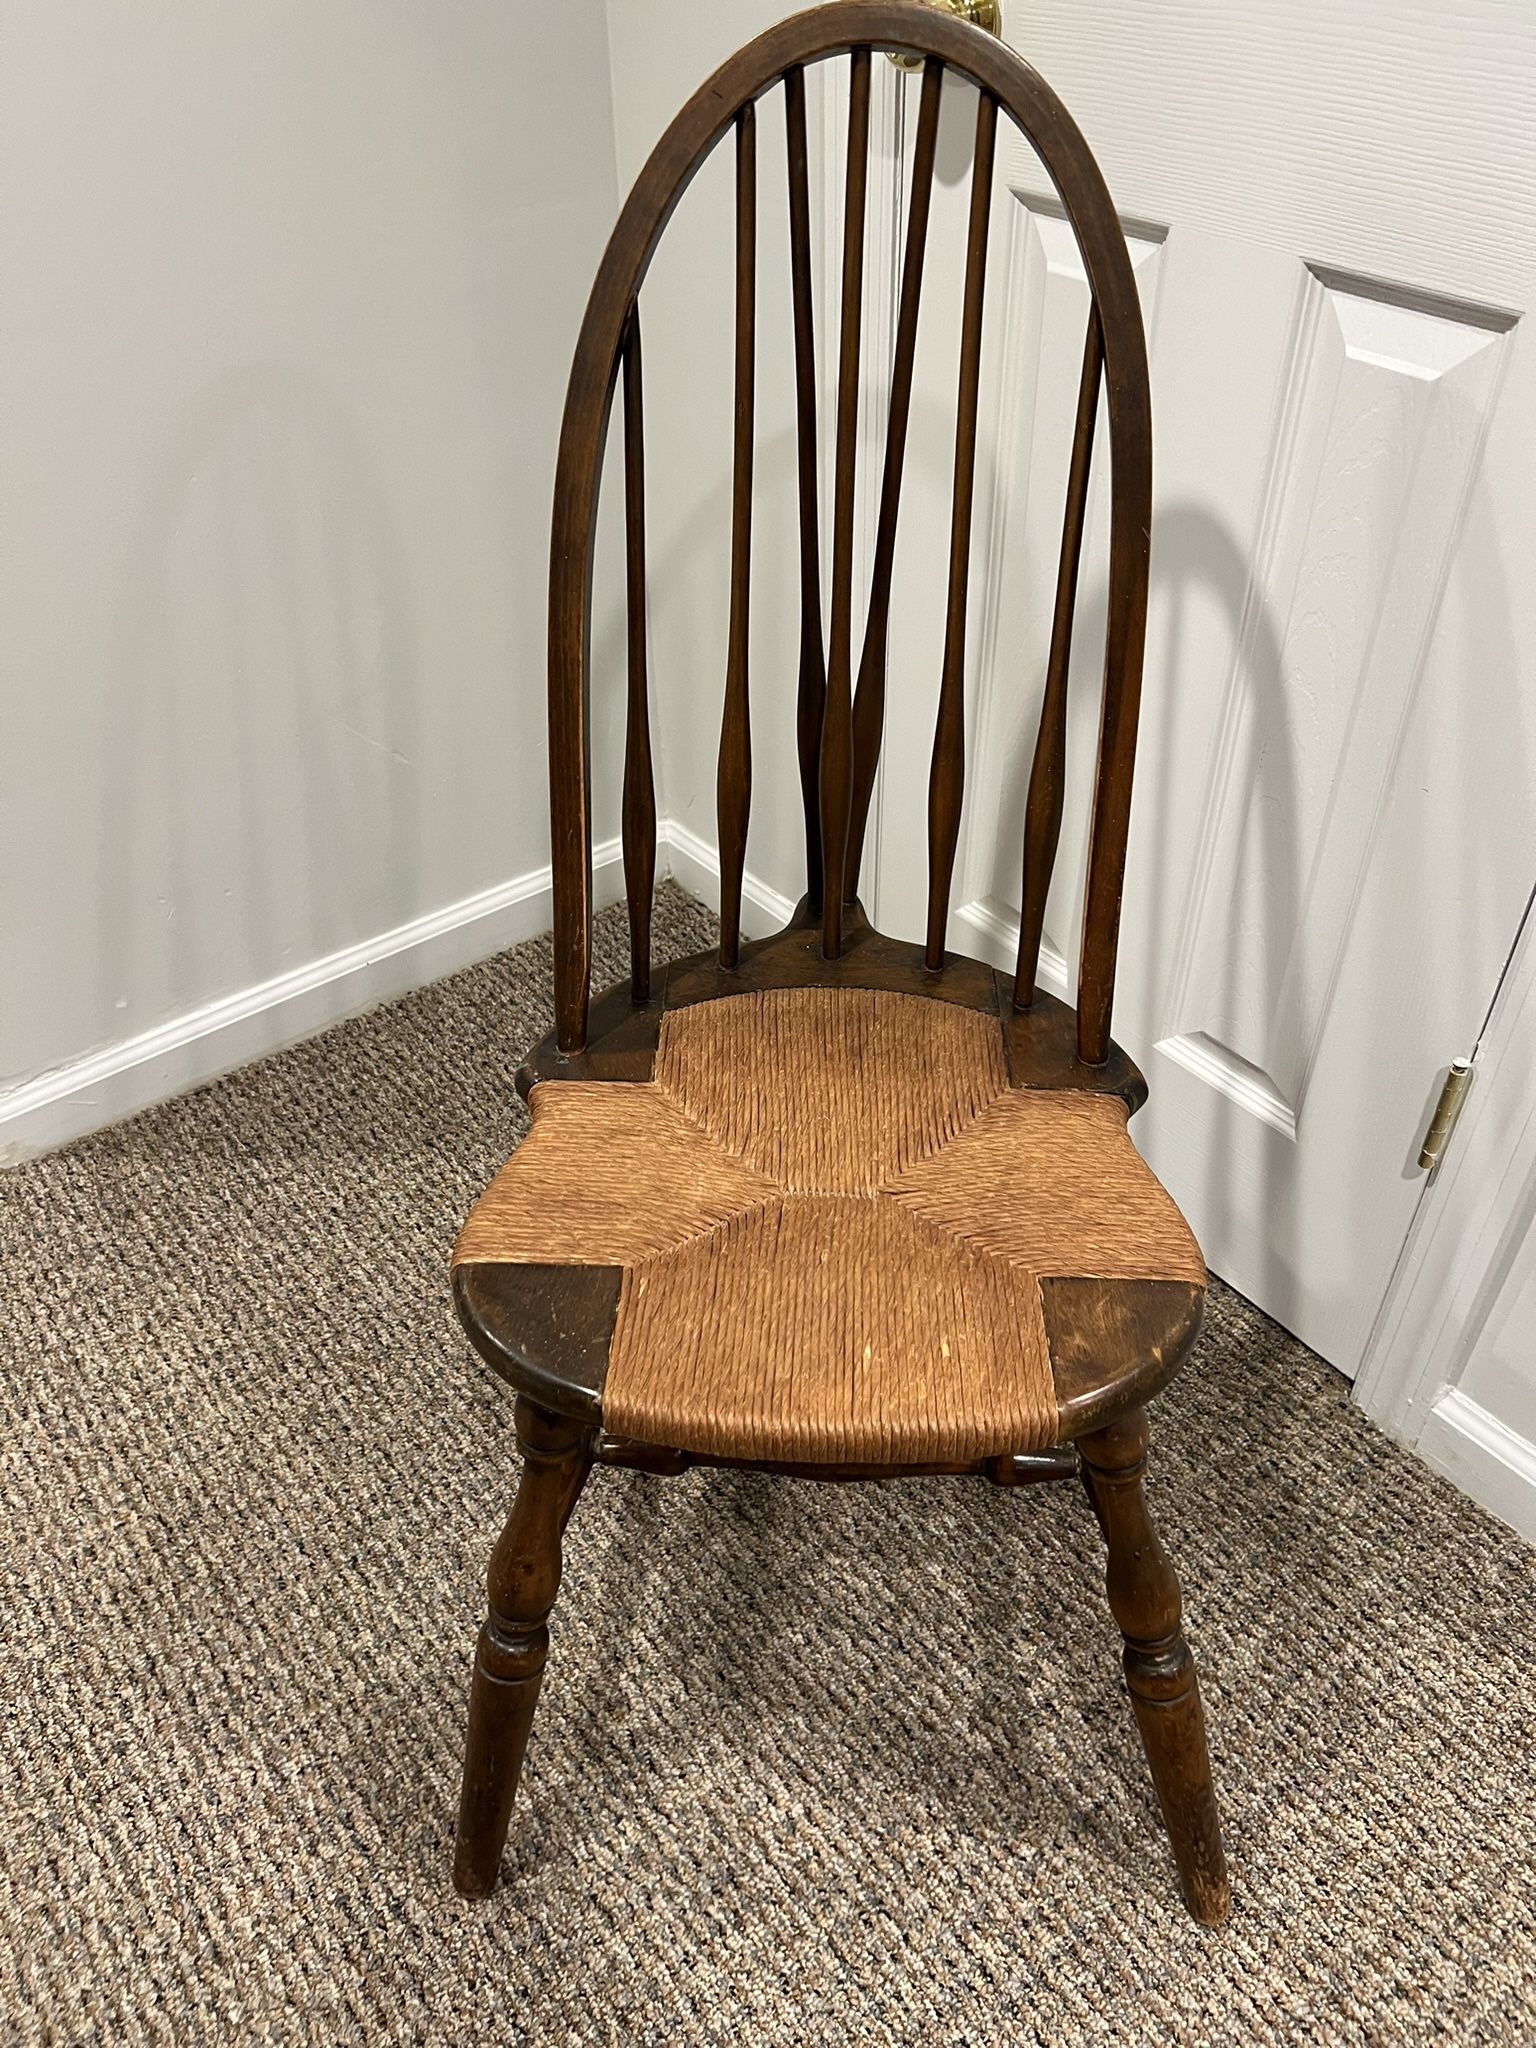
{"x":839,"y":725}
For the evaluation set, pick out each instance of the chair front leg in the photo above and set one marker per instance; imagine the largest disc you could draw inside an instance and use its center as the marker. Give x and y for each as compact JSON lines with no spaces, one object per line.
{"x":522,"y":1582}
{"x":1159,"y":1670}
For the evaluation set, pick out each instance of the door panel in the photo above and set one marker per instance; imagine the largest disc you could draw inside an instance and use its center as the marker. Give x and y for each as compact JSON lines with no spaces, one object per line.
{"x":1380,"y":428}
{"x":1332,"y":837}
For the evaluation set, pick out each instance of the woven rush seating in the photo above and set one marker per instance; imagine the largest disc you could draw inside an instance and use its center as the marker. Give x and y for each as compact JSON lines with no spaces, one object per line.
{"x":832,"y":1224}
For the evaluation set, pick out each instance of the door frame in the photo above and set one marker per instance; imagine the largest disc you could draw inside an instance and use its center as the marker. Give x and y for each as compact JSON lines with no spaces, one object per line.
{"x":1452,"y":1263}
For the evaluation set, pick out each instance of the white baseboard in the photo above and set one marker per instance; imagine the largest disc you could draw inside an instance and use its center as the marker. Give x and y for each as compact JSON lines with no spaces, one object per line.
{"x":1483,"y":1457}
{"x":990,"y":930}
{"x":120,"y":1080}
{"x":213,"y":1039}
{"x":694,"y":863}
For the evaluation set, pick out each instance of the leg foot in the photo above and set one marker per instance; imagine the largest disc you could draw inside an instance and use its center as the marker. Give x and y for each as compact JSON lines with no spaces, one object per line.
{"x":1159,"y":1670}
{"x":522,"y":1582}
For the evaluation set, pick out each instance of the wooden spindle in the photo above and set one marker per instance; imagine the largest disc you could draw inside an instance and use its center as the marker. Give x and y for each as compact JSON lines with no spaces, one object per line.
{"x":947,"y":776}
{"x":837,"y":723}
{"x":639,"y":810}
{"x":733,"y":788}
{"x":1125,"y":635}
{"x":869,"y":701}
{"x":1047,"y":775}
{"x":813,"y":662}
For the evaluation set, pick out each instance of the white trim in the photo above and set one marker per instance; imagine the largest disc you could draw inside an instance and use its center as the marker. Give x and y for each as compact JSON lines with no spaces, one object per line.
{"x":990,"y":930}
{"x":1432,"y":1314}
{"x":120,"y":1080}
{"x":1454,"y":1264}
{"x":1483,"y":1457}
{"x":1216,"y":1066}
{"x":694,"y":863}
{"x":198,"y":1047}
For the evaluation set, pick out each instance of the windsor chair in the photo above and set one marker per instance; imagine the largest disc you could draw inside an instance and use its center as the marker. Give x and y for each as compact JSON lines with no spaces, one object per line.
{"x":828,"y":1204}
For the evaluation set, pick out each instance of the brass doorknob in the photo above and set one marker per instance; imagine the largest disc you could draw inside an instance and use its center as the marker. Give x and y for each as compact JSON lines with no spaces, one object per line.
{"x":987,"y":14}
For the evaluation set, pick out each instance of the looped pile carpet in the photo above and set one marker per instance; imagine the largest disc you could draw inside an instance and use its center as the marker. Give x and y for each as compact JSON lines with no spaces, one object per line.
{"x":813,"y":1764}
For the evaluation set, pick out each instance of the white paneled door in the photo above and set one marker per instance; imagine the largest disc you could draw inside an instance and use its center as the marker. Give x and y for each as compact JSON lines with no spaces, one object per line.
{"x":1333,"y":216}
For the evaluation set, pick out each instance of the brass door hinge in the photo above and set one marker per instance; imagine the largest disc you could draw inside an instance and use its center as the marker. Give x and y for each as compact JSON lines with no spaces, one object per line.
{"x":1453,"y":1097}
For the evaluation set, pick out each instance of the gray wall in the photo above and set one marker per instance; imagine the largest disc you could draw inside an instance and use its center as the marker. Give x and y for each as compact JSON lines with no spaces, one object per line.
{"x":290,"y":293}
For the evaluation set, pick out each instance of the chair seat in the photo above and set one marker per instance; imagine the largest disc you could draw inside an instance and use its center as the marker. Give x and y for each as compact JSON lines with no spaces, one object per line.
{"x":829,"y":1230}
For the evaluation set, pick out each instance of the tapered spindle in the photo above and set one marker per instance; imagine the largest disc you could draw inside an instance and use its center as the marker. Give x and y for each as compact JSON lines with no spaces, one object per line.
{"x":733,"y":788}
{"x":1125,"y":637}
{"x":947,"y":777}
{"x":812,"y":693}
{"x":639,"y":810}
{"x":837,"y":722}
{"x":869,"y":700}
{"x":1047,"y":775}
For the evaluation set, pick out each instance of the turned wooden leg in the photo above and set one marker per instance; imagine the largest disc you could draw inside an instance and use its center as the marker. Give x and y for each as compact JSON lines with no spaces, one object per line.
{"x":1159,"y":1670}
{"x":522,"y":1582}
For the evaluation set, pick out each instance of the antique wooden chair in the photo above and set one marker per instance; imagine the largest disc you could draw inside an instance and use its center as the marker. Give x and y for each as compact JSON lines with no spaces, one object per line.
{"x":828,"y":1204}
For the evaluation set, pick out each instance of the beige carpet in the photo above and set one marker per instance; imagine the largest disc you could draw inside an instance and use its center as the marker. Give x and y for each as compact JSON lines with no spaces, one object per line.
{"x":813,"y":1765}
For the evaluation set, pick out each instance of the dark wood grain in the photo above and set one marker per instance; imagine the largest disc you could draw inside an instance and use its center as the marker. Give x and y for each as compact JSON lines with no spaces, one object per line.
{"x":811,"y":694}
{"x":794,"y":958}
{"x":1159,"y":1670}
{"x":620,"y":1044}
{"x":1048,"y":772}
{"x":1041,"y":1048}
{"x":521,"y":1585}
{"x":733,"y":784}
{"x":639,"y":804}
{"x":1115,"y":1343}
{"x":869,"y":699}
{"x":946,"y":779}
{"x":545,"y":1329}
{"x":837,"y":717}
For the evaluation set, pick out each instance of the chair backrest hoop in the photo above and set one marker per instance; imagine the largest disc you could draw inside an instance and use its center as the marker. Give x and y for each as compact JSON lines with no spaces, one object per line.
{"x":844,"y":26}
